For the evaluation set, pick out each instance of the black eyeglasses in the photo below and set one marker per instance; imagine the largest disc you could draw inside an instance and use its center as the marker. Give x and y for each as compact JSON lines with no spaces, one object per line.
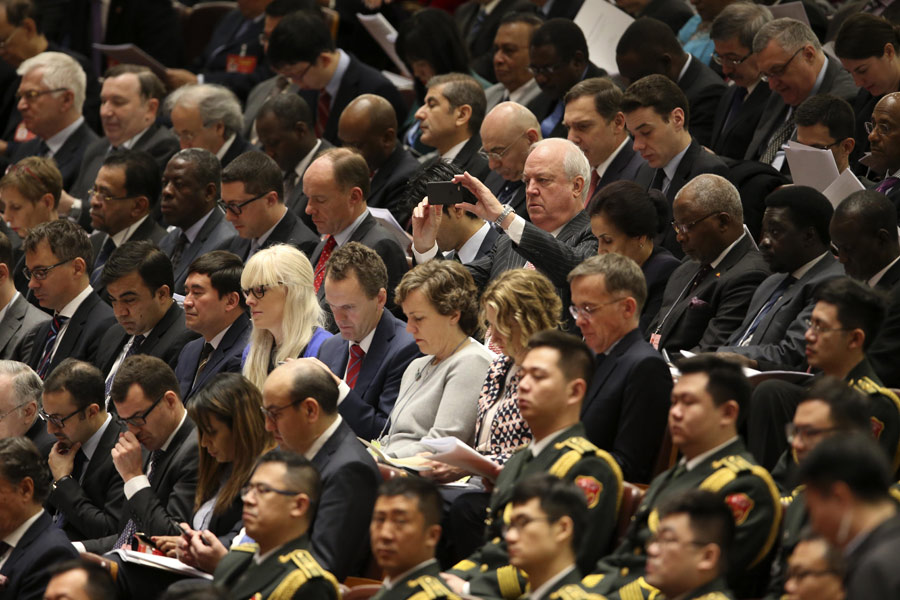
{"x":237,"y":209}
{"x":727,"y":60}
{"x":56,"y":420}
{"x":547,"y":69}
{"x":40,"y":273}
{"x":791,"y":431}
{"x":258,"y":291}
{"x":139,"y":420}
{"x":32,"y":95}
{"x":103,"y":198}
{"x":817,"y":327}
{"x":274,"y":412}
{"x":261,"y":489}
{"x":489,"y":154}
{"x":779,"y":71}
{"x":684,"y":228}
{"x":824,"y":146}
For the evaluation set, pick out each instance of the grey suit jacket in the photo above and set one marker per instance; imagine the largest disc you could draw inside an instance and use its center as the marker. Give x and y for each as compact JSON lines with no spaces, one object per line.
{"x":20,"y":318}
{"x":216,"y":234}
{"x":496,"y":92}
{"x":778,"y":342}
{"x":837,"y":81}
{"x":258,"y":96}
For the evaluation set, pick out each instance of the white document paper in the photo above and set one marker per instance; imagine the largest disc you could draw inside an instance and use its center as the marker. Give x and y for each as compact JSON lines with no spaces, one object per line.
{"x":416,"y":464}
{"x":603,"y":24}
{"x":842,"y":187}
{"x":451,"y":451}
{"x":165,"y":563}
{"x":386,"y":36}
{"x":810,"y":166}
{"x":387,"y":219}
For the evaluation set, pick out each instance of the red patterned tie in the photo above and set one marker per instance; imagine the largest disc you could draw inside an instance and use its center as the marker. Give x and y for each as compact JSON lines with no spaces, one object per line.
{"x":323,"y":109}
{"x":357,"y":354}
{"x":595,"y":181}
{"x":323,"y":258}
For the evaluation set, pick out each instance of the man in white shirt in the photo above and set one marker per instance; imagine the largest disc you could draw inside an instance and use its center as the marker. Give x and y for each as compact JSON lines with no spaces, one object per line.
{"x":512,"y":59}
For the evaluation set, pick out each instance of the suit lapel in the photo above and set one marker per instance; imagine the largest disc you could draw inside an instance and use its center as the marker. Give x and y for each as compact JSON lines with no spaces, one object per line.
{"x":32,"y":534}
{"x":13,"y":321}
{"x":221,"y":353}
{"x":75,"y":329}
{"x":377,"y":353}
{"x":608,"y":365}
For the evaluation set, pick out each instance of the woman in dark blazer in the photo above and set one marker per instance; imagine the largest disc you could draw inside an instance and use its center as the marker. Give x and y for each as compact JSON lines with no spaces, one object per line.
{"x":626,"y":218}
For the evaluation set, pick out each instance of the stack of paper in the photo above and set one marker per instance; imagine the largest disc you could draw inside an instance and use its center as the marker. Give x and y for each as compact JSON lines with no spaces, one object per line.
{"x":451,"y":451}
{"x":810,"y":166}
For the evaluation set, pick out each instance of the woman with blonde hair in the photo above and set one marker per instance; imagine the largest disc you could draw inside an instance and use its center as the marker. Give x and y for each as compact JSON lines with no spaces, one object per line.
{"x":287,"y":318}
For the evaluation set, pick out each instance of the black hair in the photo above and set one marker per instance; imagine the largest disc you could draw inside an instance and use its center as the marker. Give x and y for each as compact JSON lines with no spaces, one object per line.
{"x":854,"y":459}
{"x":575,"y":359}
{"x":423,"y":490}
{"x":564,"y":35}
{"x":299,"y":37}
{"x":99,"y":584}
{"x":834,"y":113}
{"x":142,"y":257}
{"x":632,"y":210}
{"x":558,"y":499}
{"x":726,"y":378}
{"x":858,"y":305}
{"x":20,"y":458}
{"x":711,"y":521}
{"x":432,"y":35}
{"x":864,"y":35}
{"x":659,"y":93}
{"x":301,"y":473}
{"x":848,"y":408}
{"x":806,"y":207}
{"x":83,"y":381}
{"x":224,"y":271}
{"x":258,"y":172}
{"x":142,"y":177}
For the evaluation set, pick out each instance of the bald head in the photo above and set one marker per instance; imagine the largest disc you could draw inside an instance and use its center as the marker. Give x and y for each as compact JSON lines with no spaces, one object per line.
{"x":369,"y":124}
{"x":885,"y":136}
{"x":508,"y":131}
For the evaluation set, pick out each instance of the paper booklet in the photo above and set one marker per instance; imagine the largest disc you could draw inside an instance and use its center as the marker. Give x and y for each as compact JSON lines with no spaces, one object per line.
{"x":129,"y":54}
{"x":415,"y":464}
{"x":451,"y":451}
{"x":156,"y":561}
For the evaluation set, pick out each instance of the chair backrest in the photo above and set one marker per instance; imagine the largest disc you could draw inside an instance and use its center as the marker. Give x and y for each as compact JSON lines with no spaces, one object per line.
{"x":631,"y":499}
{"x":388,"y":472}
{"x":362,"y":592}
{"x":332,"y":18}
{"x":665,"y":459}
{"x":198,"y":24}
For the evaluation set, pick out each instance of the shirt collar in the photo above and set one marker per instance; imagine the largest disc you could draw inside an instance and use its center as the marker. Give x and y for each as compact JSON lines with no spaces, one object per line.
{"x":522,"y":91}
{"x":55,"y":142}
{"x":90,"y":445}
{"x":69,"y":309}
{"x":262,"y":239}
{"x":389,"y":583}
{"x":217,"y":339}
{"x":873,"y":281}
{"x":129,"y":144}
{"x":691,"y":464}
{"x":366,"y":342}
{"x":685,"y":67}
{"x":469,"y":250}
{"x":672,"y":165}
{"x":819,"y":78}
{"x":172,"y":436}
{"x":454,"y":151}
{"x":224,"y":149}
{"x":13,"y":538}
{"x":122,"y":236}
{"x":548,"y":585}
{"x":805,"y":268}
{"x":320,"y":441}
{"x":343,"y":236}
{"x":538,"y":447}
{"x":300,"y":169}
{"x":714,"y":264}
{"x":602,"y":167}
{"x":194,"y":230}
{"x":334,"y":84}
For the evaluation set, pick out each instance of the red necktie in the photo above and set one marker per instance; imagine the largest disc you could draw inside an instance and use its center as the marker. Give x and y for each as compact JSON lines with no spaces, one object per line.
{"x":595,"y":181}
{"x":357,"y":354}
{"x":323,"y":109}
{"x":323,"y":258}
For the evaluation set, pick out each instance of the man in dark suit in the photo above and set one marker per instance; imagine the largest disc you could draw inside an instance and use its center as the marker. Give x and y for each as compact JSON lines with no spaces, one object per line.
{"x":507,"y":133}
{"x":796,"y":244}
{"x":253,"y":201}
{"x":512,"y":60}
{"x":191,"y":184}
{"x":624,"y":409}
{"x":53,"y":112}
{"x":159,"y":490}
{"x":369,"y":124}
{"x":557,"y":238}
{"x":124,"y":192}
{"x":130,"y":101}
{"x":373,"y":350}
{"x":885,"y":150}
{"x":706,"y":297}
{"x":86,"y":494}
{"x":208,"y":116}
{"x":649,"y":47}
{"x":19,"y":315}
{"x":233,"y":57}
{"x":31,"y":543}
{"x":213,"y":307}
{"x":658,"y":116}
{"x":138,"y":278}
{"x":302,"y":49}
{"x":20,"y":401}
{"x":450,"y":119}
{"x":789,"y":54}
{"x":478,"y":27}
{"x":300,"y":403}
{"x":741,"y":106}
{"x":851,"y":472}
{"x":57,"y":255}
{"x":559,"y":60}
{"x":337,"y":184}
{"x":596,"y":124}
{"x":285,"y":125}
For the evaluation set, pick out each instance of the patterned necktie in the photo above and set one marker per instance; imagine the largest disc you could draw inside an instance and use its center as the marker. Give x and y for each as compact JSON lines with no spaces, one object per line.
{"x":781,"y":135}
{"x":178,"y":250}
{"x":323,"y":110}
{"x":55,"y":325}
{"x":702,"y":272}
{"x":476,"y":26}
{"x":552,"y":120}
{"x":323,"y":258}
{"x":595,"y":181}
{"x":77,"y":471}
{"x":124,"y":540}
{"x":44,"y":150}
{"x":887,"y":184}
{"x":133,"y":349}
{"x":357,"y":354}
{"x":108,"y":247}
{"x":204,"y":359}
{"x":777,"y":293}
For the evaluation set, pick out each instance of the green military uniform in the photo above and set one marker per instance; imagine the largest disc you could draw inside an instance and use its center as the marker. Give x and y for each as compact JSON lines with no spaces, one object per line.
{"x":571,"y":457}
{"x":885,"y":409}
{"x":423,"y":583}
{"x":795,"y":520}
{"x":289,"y":573}
{"x":748,"y":490}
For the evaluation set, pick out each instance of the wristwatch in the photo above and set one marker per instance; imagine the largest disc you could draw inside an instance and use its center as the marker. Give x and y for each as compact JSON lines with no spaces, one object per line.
{"x":55,"y":484}
{"x":507,"y":210}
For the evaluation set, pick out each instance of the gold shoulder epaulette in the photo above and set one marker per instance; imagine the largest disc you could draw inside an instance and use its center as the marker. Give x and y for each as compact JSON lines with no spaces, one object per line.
{"x":578,"y":443}
{"x":573,"y":591}
{"x":719,"y":479}
{"x":248,"y":547}
{"x":638,"y":589}
{"x":713,"y":596}
{"x":592,"y":580}
{"x":430,"y":588}
{"x":735,"y":462}
{"x":306,"y":568}
{"x":508,"y":581}
{"x":464,"y":565}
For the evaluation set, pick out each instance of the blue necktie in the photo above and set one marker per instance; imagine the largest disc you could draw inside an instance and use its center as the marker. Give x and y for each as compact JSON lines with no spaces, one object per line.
{"x":777,"y":293}
{"x":552,"y":120}
{"x":55,"y":325}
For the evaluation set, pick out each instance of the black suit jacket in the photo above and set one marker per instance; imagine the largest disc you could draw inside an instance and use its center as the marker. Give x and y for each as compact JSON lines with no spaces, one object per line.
{"x":29,"y":563}
{"x":554,"y":257}
{"x":164,"y":341}
{"x":732,"y":139}
{"x":625,"y":411}
{"x":226,"y":358}
{"x":92,"y":508}
{"x":657,"y":270}
{"x":81,"y":339}
{"x":350,"y":480}
{"x":883,"y":352}
{"x":481,"y":43}
{"x":625,"y":166}
{"x":368,"y":405}
{"x":871,"y":565}
{"x":779,"y":342}
{"x":388,"y":186}
{"x":544,"y":104}
{"x":290,"y":230}
{"x":21,"y":317}
{"x":238,"y":147}
{"x":148,"y":230}
{"x":468,"y":159}
{"x":157,"y":510}
{"x":359,"y":78}
{"x":38,"y":434}
{"x":216,"y":234}
{"x":225,"y":41}
{"x":703,"y":89}
{"x":705,"y":318}
{"x":68,"y":157}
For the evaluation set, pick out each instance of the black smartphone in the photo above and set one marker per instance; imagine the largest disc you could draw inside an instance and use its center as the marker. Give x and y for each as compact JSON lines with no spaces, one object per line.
{"x":145,"y":539}
{"x":443,"y":192}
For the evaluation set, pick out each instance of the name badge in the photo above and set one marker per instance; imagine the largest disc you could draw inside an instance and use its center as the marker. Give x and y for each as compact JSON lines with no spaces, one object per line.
{"x":235,"y":63}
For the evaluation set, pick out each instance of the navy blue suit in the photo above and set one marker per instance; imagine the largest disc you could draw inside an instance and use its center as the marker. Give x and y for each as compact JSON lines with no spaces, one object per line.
{"x":29,"y":563}
{"x":368,"y":405}
{"x":350,"y":481}
{"x":290,"y":230}
{"x":224,"y":359}
{"x":388,"y":187}
{"x":625,"y":411}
